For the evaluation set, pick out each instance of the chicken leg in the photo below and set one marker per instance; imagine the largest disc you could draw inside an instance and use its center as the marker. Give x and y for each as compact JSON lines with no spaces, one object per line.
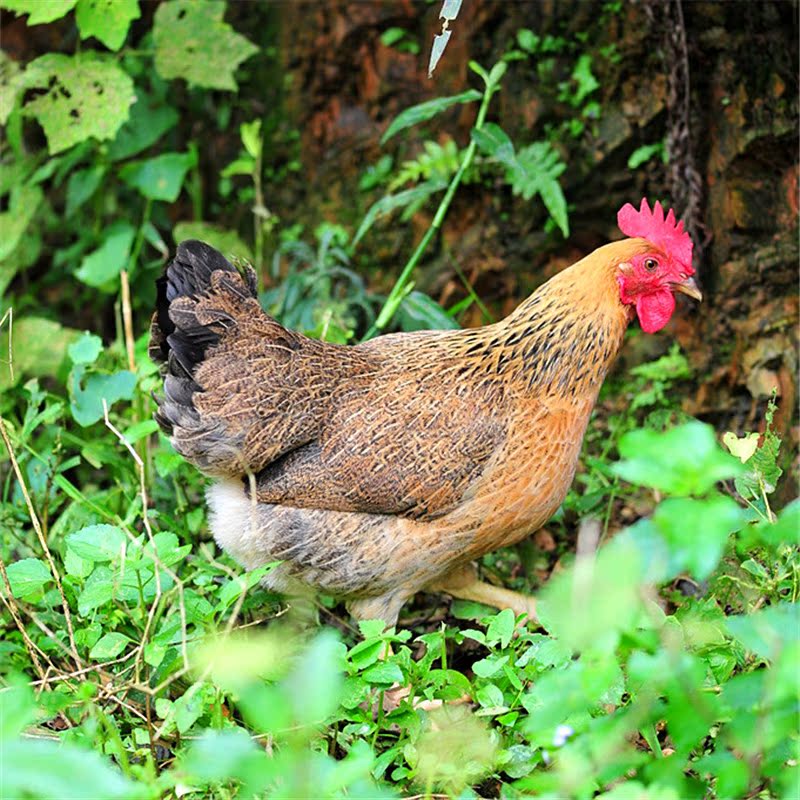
{"x":465,"y":584}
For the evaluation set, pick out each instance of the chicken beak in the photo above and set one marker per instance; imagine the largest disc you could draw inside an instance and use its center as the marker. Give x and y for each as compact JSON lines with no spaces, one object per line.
{"x":689,"y":286}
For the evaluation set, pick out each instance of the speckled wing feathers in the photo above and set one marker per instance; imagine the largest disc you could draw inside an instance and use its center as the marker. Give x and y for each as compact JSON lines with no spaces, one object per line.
{"x":384,"y":428}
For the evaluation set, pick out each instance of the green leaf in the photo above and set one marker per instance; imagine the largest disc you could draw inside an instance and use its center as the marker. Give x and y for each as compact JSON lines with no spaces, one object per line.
{"x":86,"y":349}
{"x":101,"y":267}
{"x":501,"y":628}
{"x":583,"y":76}
{"x":106,"y":20}
{"x":82,"y":184}
{"x":98,"y":543}
{"x":418,"y":312}
{"x":27,"y":576}
{"x":493,"y":141}
{"x":193,"y":42}
{"x":683,"y":461}
{"x":97,"y":591}
{"x":383,"y":673}
{"x":766,"y":631}
{"x":425,"y":111}
{"x":39,"y":348}
{"x":226,"y":241}
{"x":386,"y":205}
{"x":23,"y":204}
{"x":86,"y":400}
{"x":613,"y":574}
{"x":85,"y":96}
{"x":251,"y":137}
{"x":161,"y":177}
{"x":109,"y":646}
{"x":11,"y":81}
{"x":17,"y":709}
{"x":40,"y":11}
{"x":42,"y":768}
{"x":233,"y":588}
{"x":696,"y":531}
{"x":147,"y":124}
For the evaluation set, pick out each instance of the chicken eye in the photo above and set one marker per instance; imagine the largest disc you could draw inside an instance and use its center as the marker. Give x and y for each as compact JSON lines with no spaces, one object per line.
{"x":650,"y":264}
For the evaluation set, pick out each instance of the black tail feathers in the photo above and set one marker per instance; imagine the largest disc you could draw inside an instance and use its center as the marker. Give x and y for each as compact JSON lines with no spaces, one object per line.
{"x":190,"y":317}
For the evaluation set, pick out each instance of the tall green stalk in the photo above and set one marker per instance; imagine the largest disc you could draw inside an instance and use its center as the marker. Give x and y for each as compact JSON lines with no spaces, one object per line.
{"x":402,"y":284}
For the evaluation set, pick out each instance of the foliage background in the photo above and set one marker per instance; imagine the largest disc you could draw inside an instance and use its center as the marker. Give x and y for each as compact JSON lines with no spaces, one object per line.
{"x":261,"y":127}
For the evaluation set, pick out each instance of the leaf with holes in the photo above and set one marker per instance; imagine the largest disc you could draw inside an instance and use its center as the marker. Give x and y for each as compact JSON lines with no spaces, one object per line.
{"x":194,"y":43}
{"x":41,"y":11}
{"x":106,"y":20}
{"x":86,"y":96}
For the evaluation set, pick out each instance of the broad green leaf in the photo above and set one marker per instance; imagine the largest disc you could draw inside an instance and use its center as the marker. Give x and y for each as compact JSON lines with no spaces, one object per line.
{"x":101,"y":267}
{"x":696,"y":531}
{"x":106,"y":20}
{"x":51,"y":769}
{"x":82,"y":184}
{"x":11,"y":79}
{"x":159,"y":178}
{"x":85,"y":96}
{"x":23,"y":204}
{"x":86,"y":398}
{"x":86,"y":349}
{"x":683,"y":461}
{"x":147,"y":123}
{"x":109,"y":646}
{"x":383,"y":673}
{"x":39,"y":348}
{"x":766,"y":631}
{"x":27,"y":576}
{"x":425,"y":111}
{"x":98,"y":543}
{"x":226,"y":241}
{"x":40,"y":11}
{"x":219,"y":755}
{"x":97,"y":591}
{"x":17,"y":708}
{"x":386,"y":205}
{"x":569,"y":607}
{"x":315,"y":682}
{"x":418,"y":312}
{"x":501,"y":628}
{"x":194,"y":43}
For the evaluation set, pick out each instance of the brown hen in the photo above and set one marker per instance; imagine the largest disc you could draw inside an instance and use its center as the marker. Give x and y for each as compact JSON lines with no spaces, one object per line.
{"x":374,"y":471}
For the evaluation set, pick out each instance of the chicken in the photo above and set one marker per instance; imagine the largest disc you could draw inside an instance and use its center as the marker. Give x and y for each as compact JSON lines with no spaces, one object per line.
{"x":374,"y":471}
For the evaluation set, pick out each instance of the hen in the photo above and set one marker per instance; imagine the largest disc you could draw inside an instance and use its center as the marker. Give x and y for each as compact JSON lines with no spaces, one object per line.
{"x":374,"y":471}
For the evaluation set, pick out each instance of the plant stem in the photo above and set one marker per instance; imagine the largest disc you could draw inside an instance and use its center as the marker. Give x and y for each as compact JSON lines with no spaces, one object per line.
{"x":399,"y":289}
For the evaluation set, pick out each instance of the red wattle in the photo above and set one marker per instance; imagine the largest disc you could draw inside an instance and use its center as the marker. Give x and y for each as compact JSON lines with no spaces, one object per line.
{"x":654,"y":310}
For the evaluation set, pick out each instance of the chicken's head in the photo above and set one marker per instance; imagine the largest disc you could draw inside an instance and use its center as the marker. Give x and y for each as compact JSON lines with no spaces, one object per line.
{"x":649,"y":280}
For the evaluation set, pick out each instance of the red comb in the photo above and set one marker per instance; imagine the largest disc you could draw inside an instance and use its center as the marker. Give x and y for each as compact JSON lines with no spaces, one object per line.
{"x":663,"y":233}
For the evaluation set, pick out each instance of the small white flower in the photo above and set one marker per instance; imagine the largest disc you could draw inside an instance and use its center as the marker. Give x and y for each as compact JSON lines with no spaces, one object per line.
{"x":562,"y":734}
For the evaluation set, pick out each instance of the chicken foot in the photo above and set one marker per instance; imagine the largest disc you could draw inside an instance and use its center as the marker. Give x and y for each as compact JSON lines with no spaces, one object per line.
{"x":464,"y":584}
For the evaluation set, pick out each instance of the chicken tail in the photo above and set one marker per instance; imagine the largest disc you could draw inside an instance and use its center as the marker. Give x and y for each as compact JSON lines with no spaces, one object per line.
{"x":201,"y":298}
